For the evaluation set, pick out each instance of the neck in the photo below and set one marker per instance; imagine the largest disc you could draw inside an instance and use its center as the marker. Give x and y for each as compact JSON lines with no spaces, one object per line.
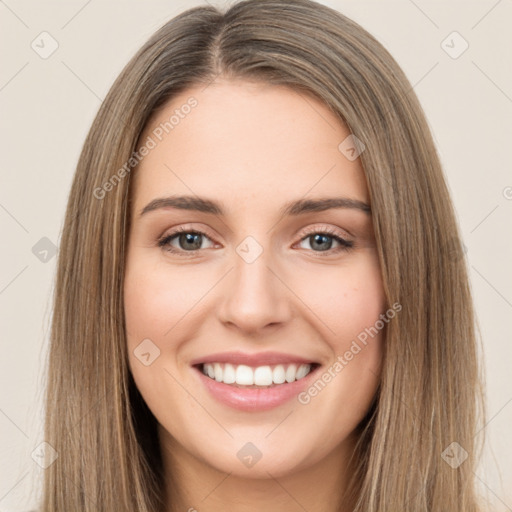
{"x":193,"y":485}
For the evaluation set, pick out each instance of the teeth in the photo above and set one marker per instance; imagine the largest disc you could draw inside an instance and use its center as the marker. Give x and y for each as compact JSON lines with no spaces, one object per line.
{"x":243,"y":375}
{"x":278,"y":375}
{"x":229,"y":375}
{"x":291,"y":372}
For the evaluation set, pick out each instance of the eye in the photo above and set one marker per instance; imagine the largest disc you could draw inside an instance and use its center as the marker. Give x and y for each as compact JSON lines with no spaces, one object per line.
{"x":190,"y":241}
{"x":321,"y":239}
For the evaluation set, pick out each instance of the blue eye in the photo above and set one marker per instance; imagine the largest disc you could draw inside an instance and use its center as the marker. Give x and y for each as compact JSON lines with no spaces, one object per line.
{"x":323,"y":241}
{"x":190,"y":241}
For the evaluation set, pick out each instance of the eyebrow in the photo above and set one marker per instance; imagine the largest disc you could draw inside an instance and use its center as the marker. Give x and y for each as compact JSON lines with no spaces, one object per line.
{"x":293,"y":208}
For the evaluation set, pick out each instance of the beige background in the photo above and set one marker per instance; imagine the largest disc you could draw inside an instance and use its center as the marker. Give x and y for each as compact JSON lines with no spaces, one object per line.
{"x":47,"y":106}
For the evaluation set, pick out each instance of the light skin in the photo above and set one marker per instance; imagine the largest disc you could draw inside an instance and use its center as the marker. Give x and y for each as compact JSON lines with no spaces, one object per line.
{"x":252,"y":147}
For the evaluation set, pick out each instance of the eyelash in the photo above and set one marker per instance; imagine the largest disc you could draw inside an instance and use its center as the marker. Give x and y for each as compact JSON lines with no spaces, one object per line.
{"x":345,"y":245}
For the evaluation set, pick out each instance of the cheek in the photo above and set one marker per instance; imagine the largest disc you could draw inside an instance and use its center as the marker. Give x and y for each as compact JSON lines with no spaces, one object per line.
{"x":154,"y":300}
{"x":342,"y":394}
{"x":153,"y":306}
{"x":350,"y":301}
{"x":347,"y":299}
{"x":151,"y":309}
{"x":159,"y":303}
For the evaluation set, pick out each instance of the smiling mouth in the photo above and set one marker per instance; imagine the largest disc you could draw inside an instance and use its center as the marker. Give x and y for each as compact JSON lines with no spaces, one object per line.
{"x":260,"y":377}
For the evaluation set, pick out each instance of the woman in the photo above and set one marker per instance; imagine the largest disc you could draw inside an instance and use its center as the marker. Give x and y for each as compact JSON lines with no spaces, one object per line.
{"x":315,"y":349}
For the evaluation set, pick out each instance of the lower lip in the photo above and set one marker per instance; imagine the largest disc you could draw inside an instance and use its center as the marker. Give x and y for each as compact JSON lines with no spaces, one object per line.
{"x":252,"y":399}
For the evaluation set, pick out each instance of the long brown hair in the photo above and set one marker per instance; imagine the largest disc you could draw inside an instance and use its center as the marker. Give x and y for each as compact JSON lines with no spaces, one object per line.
{"x":430,"y":394}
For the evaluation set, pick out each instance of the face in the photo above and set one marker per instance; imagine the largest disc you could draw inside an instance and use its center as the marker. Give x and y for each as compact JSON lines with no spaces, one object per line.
{"x":260,"y":294}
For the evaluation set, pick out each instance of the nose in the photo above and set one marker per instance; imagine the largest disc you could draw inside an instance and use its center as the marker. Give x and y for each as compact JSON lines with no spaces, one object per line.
{"x":255,"y":295}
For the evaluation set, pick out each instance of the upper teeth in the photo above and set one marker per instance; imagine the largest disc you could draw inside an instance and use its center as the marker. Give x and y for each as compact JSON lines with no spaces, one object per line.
{"x":259,"y":376}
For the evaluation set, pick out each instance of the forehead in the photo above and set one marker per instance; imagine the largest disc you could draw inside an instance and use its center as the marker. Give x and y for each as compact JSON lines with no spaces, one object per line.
{"x":246,"y":141}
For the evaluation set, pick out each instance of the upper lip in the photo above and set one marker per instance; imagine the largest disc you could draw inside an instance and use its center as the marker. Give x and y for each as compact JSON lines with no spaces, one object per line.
{"x":257,"y":359}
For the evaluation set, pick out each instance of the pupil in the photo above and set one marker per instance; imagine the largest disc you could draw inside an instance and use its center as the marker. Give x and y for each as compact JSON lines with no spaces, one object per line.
{"x":189,"y":237}
{"x":319,"y":236}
